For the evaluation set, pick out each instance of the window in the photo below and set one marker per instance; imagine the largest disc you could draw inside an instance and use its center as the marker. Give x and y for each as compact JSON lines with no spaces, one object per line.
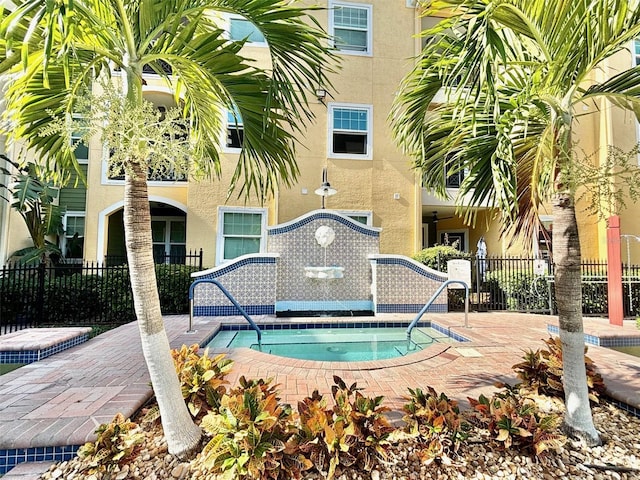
{"x":636,"y":52}
{"x":235,"y":131}
{"x":240,"y":29}
{"x":454,"y":176}
{"x":350,"y":131}
{"x":359,"y":216}
{"x":350,"y":26}
{"x":72,"y":244}
{"x":455,"y":238}
{"x":169,"y":235}
{"x":240,"y":231}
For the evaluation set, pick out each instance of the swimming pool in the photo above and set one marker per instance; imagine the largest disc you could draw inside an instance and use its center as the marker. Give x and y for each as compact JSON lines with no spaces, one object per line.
{"x":332,"y":343}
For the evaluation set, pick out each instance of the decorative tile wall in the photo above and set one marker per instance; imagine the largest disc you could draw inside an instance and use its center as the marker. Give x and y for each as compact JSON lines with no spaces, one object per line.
{"x":402,"y":285}
{"x":277,"y":281}
{"x":298,"y":248}
{"x":9,"y":458}
{"x":251,"y":280}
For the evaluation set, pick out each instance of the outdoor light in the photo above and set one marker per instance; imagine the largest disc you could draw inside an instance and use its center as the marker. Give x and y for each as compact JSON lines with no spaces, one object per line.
{"x":325,"y":189}
{"x":321,"y":93}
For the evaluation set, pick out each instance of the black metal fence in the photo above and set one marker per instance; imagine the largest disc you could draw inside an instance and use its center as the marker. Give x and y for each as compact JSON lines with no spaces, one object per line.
{"x":85,"y":294}
{"x":527,"y":285}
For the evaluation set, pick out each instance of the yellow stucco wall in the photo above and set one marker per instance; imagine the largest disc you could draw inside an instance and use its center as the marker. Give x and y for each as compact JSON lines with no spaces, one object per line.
{"x":362,"y":185}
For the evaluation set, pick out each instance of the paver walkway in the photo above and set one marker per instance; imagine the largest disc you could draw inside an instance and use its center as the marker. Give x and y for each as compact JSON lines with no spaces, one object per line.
{"x":62,"y":399}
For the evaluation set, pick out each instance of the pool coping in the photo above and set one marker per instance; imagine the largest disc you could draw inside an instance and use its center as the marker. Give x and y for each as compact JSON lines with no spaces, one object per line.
{"x":33,"y":344}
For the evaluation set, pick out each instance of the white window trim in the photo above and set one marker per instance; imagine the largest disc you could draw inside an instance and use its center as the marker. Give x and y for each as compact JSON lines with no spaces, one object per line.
{"x":63,"y":238}
{"x":248,"y":43}
{"x":359,"y":213}
{"x":225,"y":132}
{"x":369,"y":145}
{"x":458,"y":230}
{"x":220,"y":230}
{"x":369,"y":8}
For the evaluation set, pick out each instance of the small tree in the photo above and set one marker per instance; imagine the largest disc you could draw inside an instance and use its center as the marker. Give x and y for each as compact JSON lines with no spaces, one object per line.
{"x":33,"y":197}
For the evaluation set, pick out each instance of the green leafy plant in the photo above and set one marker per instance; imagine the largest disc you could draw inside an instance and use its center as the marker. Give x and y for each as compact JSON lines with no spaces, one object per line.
{"x":354,"y":431}
{"x":436,"y":257}
{"x":250,"y":435}
{"x":436,"y":421}
{"x":201,"y":378}
{"x":117,"y":443}
{"x":541,"y":372}
{"x":515,"y":420}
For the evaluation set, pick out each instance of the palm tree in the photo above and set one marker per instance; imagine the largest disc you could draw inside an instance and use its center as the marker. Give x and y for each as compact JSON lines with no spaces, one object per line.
{"x":51,"y":53}
{"x":515,"y":72}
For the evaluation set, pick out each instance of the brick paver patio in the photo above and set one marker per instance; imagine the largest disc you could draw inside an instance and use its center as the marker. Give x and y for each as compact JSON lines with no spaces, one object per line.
{"x":62,"y":399}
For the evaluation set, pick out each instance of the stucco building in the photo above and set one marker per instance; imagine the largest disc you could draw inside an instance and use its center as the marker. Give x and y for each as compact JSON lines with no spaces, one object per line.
{"x":350,"y":141}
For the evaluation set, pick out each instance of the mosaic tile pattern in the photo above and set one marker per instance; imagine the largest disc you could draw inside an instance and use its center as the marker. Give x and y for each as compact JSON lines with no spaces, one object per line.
{"x":9,"y":458}
{"x":278,"y":281}
{"x":617,"y":341}
{"x":30,"y":356}
{"x":401,"y":286}
{"x":297,"y":246}
{"x":252,"y":284}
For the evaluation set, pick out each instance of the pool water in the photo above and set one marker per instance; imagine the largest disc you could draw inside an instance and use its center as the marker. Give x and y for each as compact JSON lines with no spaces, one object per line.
{"x":333,"y":344}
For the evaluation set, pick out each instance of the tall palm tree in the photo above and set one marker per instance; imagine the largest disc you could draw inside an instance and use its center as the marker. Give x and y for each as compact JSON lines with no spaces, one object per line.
{"x":514,"y":72}
{"x":52,"y":52}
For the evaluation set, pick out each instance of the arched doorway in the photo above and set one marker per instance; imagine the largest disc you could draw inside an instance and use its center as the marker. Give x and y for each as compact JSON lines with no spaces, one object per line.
{"x":168,"y":231}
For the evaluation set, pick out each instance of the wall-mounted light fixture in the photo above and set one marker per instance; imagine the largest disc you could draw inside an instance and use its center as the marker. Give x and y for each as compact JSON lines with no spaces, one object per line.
{"x":321,"y":94}
{"x":325,"y":189}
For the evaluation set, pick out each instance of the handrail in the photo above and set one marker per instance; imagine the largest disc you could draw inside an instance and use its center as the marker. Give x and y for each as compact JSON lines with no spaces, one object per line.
{"x":415,"y":321}
{"x":231,"y":299}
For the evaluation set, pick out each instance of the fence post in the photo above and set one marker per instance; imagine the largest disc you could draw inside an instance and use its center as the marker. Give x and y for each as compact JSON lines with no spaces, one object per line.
{"x":200,"y":260}
{"x":614,"y":271}
{"x":40,"y":294}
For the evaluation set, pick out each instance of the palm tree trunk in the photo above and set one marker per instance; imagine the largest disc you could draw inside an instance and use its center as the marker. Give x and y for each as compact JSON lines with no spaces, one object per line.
{"x":578,"y":421}
{"x":182,"y":435}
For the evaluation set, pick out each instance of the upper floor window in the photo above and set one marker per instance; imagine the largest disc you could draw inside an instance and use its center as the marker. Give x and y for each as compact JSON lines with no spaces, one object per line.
{"x":235,"y":130}
{"x":242,"y":29}
{"x":636,"y":52}
{"x":350,"y":26}
{"x":240,"y":232}
{"x":454,"y":176}
{"x":350,"y":133}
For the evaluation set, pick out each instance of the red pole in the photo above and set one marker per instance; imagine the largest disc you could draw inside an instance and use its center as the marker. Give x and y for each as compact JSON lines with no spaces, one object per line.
{"x":614,"y":271}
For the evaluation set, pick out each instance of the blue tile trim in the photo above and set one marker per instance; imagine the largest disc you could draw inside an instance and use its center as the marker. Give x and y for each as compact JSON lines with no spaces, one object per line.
{"x":411,"y":266}
{"x":227,"y":310}
{"x":315,"y":306}
{"x":9,"y":458}
{"x":237,"y":265}
{"x":635,"y":411}
{"x":409,"y":308}
{"x":447,"y":331}
{"x":322,"y":216}
{"x":617,"y":341}
{"x":30,"y":356}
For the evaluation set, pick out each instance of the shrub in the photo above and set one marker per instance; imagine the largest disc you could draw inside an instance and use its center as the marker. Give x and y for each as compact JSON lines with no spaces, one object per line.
{"x":173,"y":287}
{"x":354,"y":431}
{"x":116,"y":444}
{"x":437,"y":423}
{"x":436,"y":257}
{"x":541,"y":372}
{"x":515,"y":420}
{"x":523,"y":290}
{"x":201,"y":378}
{"x":250,"y":435}
{"x":74,"y":299}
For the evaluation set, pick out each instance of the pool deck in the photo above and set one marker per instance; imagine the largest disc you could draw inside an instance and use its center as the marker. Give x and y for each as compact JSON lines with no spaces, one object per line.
{"x":61,"y":399}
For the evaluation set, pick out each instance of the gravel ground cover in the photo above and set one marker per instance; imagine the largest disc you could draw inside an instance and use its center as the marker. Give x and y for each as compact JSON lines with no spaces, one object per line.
{"x":617,"y":458}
